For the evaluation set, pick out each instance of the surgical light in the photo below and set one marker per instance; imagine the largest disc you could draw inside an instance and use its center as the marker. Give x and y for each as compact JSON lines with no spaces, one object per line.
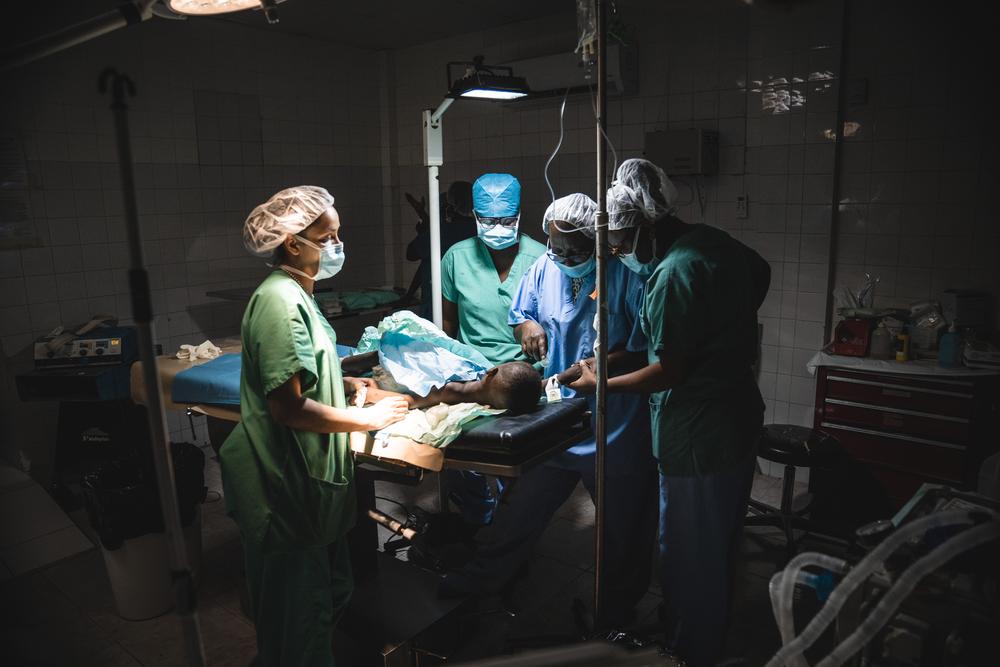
{"x":208,"y":7}
{"x":486,"y":82}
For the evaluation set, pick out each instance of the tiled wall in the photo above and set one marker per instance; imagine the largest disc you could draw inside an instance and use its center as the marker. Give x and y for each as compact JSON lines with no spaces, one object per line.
{"x":920,"y":172}
{"x":718,"y":69}
{"x":225,"y":116}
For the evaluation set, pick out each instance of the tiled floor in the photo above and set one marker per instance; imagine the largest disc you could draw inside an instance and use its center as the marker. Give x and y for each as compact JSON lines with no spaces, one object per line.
{"x":34,"y":532}
{"x":64,"y":614}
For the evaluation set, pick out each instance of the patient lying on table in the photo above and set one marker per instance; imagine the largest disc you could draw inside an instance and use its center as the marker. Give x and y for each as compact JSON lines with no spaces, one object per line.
{"x":454,"y":382}
{"x":513,"y":387}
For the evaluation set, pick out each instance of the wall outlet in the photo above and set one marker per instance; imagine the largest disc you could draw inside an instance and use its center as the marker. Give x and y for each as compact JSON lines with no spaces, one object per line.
{"x":742,"y":206}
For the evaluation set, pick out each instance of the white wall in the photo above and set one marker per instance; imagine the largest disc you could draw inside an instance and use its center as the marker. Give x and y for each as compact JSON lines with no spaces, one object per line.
{"x":225,"y":115}
{"x":694,"y":68}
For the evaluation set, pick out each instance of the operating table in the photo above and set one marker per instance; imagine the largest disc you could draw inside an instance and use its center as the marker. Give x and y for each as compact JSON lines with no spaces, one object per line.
{"x":501,"y":445}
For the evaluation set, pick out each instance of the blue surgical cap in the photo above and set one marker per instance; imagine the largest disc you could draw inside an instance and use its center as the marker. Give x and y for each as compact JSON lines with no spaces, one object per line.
{"x":496,"y":196}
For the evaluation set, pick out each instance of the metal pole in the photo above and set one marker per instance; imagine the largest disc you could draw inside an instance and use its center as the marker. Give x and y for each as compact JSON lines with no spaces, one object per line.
{"x":126,"y":14}
{"x":601,"y":253}
{"x":838,"y":152}
{"x":434,"y":214}
{"x":142,"y":313}
{"x":434,"y":158}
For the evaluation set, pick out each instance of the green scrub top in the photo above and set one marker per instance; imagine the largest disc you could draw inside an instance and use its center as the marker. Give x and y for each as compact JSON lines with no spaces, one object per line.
{"x":701,"y":304}
{"x":470,"y":280}
{"x":288,"y":490}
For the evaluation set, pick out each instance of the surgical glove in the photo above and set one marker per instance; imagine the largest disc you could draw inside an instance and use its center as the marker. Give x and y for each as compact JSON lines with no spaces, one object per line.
{"x":206,"y":350}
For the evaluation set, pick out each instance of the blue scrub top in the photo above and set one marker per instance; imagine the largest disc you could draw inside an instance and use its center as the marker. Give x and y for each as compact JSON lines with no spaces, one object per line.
{"x":545,"y":296}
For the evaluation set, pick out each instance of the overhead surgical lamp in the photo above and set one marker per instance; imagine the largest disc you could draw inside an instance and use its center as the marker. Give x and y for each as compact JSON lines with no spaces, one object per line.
{"x":481,"y":82}
{"x":478,"y":82}
{"x":210,"y":7}
{"x":128,"y":13}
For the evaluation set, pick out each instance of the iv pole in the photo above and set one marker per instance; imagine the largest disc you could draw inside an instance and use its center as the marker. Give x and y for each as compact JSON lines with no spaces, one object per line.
{"x":601,"y":254}
{"x":142,"y":312}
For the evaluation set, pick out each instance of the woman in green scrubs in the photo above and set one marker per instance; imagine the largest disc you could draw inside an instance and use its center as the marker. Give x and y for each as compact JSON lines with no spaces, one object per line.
{"x":287,"y":470}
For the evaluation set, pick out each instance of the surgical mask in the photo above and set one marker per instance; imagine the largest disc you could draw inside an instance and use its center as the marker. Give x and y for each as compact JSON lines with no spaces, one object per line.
{"x":580,"y":270}
{"x":644,"y":270}
{"x":632,"y":263}
{"x":331,"y":259}
{"x":498,"y":236}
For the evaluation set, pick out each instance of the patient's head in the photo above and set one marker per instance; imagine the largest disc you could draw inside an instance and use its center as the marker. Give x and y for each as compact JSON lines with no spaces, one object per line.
{"x":514,"y":386}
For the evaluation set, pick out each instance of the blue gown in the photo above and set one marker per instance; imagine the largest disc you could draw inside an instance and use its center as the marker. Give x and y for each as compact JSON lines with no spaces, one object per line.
{"x":545,"y":296}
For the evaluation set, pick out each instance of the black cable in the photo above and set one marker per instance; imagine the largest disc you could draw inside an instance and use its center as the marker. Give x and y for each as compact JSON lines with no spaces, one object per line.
{"x":394,"y":502}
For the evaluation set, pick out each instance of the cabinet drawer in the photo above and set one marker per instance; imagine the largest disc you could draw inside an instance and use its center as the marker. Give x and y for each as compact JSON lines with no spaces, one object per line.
{"x":904,"y":393}
{"x":950,"y":430}
{"x":930,"y":459}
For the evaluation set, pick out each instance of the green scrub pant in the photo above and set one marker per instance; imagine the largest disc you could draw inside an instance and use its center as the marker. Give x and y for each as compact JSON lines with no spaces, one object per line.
{"x":296,"y":598}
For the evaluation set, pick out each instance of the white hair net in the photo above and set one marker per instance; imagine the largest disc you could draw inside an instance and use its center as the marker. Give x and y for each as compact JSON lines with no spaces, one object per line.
{"x":657,"y":195}
{"x":287,"y":212}
{"x":625,"y":207}
{"x":572,"y":213}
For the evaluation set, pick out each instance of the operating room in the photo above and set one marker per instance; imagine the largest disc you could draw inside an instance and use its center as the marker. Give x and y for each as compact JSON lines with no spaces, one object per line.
{"x":565,"y":332}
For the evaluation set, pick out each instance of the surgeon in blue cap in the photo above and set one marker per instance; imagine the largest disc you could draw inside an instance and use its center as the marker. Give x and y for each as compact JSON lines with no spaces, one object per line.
{"x":479,"y":278}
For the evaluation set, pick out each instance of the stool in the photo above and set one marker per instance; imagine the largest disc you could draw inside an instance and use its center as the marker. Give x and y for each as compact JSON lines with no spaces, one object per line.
{"x":795,"y":447}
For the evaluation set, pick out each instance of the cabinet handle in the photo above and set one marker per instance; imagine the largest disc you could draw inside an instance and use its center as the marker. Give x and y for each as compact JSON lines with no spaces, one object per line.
{"x":897,"y":394}
{"x":922,"y":390}
{"x":894,"y":436}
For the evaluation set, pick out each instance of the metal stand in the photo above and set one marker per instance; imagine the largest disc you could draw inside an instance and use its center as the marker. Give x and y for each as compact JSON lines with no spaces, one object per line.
{"x":142,"y":312}
{"x":601,"y":351}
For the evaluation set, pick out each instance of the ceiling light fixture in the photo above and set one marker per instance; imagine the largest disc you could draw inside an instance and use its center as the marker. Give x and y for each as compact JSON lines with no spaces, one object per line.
{"x":486,"y":82}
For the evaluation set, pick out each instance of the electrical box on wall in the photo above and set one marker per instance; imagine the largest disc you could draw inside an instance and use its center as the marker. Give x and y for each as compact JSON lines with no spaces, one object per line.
{"x":683,"y":152}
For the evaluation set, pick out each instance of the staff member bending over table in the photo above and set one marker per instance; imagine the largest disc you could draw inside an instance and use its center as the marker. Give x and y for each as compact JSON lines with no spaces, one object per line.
{"x":703,"y":290}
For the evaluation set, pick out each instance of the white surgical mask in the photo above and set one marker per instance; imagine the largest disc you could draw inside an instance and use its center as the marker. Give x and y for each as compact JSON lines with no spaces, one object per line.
{"x":331,"y":259}
{"x":498,"y":237}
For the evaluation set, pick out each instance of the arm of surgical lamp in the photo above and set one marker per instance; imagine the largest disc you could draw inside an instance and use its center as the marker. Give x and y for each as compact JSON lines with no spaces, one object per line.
{"x":126,"y":14}
{"x":434,"y":158}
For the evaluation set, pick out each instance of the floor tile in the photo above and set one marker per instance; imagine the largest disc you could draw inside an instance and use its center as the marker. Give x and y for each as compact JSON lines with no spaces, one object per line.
{"x":29,"y":512}
{"x":41,"y":551}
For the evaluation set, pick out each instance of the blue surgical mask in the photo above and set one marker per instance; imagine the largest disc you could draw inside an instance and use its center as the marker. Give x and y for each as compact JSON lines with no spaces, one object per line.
{"x":580,"y":270}
{"x":631,"y":263}
{"x":331,"y":259}
{"x":497,"y":237}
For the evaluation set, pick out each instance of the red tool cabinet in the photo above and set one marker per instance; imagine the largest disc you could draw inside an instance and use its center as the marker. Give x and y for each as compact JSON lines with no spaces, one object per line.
{"x":910,"y":429}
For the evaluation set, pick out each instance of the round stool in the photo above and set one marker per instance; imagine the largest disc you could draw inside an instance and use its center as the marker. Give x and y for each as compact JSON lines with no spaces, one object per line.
{"x":794,"y":447}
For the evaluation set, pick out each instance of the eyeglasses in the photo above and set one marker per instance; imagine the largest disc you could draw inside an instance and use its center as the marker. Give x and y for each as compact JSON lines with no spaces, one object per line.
{"x":571,"y":260}
{"x":503,"y":221}
{"x":619,"y":250}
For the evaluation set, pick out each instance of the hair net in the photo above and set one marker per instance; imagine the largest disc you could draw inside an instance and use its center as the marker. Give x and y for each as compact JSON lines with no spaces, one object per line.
{"x":657,"y":195}
{"x":625,"y":207}
{"x":572,"y":213}
{"x":496,"y":196}
{"x":287,"y":212}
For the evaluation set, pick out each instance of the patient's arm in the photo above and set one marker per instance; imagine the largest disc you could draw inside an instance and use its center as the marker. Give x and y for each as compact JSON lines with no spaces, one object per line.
{"x":451,"y":393}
